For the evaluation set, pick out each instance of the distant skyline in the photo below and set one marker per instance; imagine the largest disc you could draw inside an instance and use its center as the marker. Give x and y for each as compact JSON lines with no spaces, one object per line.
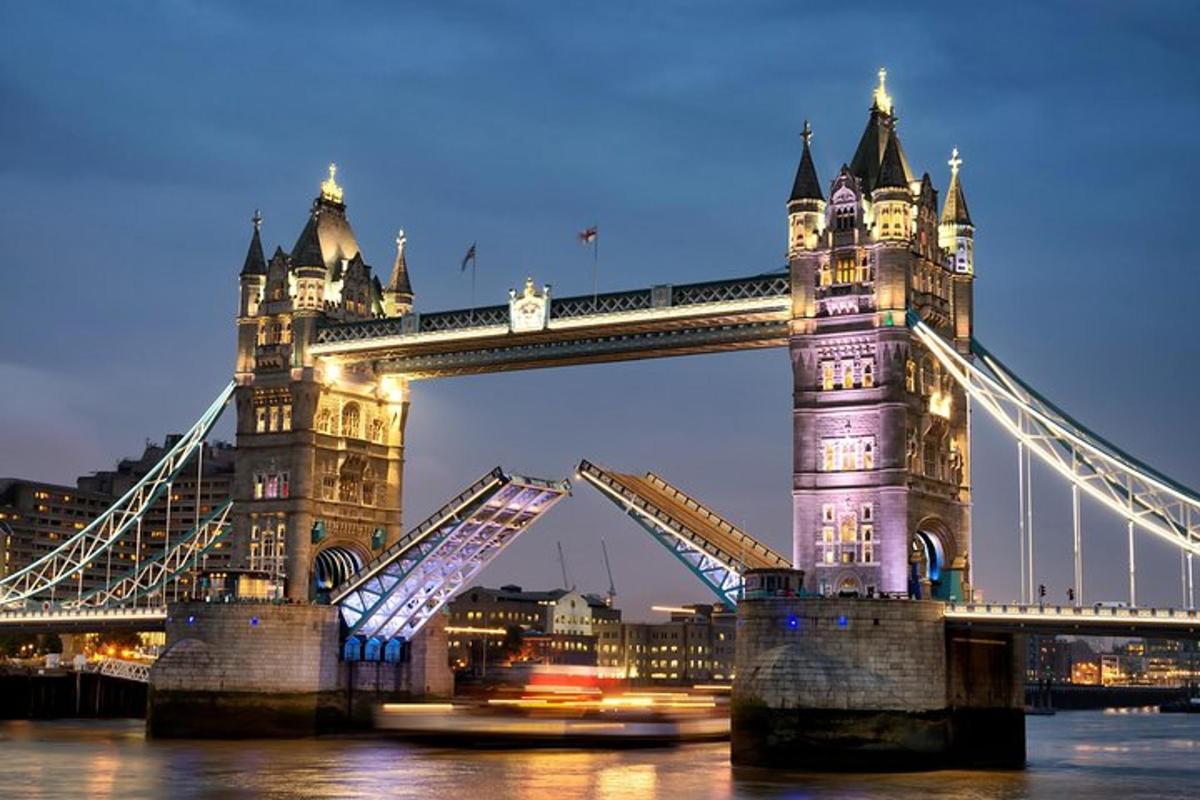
{"x":138,"y":140}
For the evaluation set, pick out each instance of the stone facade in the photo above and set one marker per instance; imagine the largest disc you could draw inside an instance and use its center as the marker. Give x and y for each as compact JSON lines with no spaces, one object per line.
{"x":320,"y":444}
{"x":862,"y":684}
{"x":881,"y":474}
{"x":264,"y":669}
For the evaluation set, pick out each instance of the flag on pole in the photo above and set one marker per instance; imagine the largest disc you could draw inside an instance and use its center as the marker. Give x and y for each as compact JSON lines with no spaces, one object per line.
{"x":588,"y":236}
{"x":469,"y":258}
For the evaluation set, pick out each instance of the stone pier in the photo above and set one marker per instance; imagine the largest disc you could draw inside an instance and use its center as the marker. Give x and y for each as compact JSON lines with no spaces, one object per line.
{"x":872,"y":684}
{"x":260,"y":669}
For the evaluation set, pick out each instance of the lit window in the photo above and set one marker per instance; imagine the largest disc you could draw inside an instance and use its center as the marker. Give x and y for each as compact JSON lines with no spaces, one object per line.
{"x":285,"y":417}
{"x":830,"y":463}
{"x":910,"y":376}
{"x":260,"y":420}
{"x":847,"y":374}
{"x":868,"y":375}
{"x":826,"y":375}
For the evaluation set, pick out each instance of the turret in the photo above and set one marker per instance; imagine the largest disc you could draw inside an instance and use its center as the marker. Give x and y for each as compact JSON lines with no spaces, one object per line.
{"x":806,"y":205}
{"x":252,"y":282}
{"x":892,"y":199}
{"x":398,"y":296}
{"x":956,"y":233}
{"x":956,"y":237}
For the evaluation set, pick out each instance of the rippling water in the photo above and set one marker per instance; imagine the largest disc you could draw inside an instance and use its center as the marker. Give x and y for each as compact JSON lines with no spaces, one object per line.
{"x":1078,"y":755}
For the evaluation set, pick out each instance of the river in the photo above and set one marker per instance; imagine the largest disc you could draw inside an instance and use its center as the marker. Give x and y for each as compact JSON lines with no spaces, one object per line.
{"x":1077,"y":755}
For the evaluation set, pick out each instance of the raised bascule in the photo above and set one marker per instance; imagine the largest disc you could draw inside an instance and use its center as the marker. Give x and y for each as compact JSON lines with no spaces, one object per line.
{"x":864,"y":647}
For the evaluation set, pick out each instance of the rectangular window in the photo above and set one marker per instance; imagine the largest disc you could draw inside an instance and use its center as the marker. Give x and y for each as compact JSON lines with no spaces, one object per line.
{"x":849,"y":456}
{"x":830,"y":462}
{"x":273,"y":418}
{"x":285,"y":417}
{"x":827,"y":512}
{"x":868,"y":375}
{"x":868,"y":454}
{"x":847,"y":374}
{"x":867,"y":532}
{"x":827,"y":380}
{"x":259,"y":483}
{"x":867,"y":511}
{"x":260,"y":420}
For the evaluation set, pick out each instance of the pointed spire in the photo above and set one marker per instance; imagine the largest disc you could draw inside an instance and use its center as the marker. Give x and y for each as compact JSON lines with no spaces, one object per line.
{"x":806,"y":186}
{"x":399,"y":283}
{"x":892,"y":174}
{"x":882,"y":100}
{"x":329,"y":188}
{"x":307,"y":252}
{"x":955,"y":210}
{"x":255,"y":263}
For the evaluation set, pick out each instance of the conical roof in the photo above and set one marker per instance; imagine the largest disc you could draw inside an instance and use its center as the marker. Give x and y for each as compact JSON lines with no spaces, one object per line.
{"x":892,"y":174}
{"x":399,"y":282}
{"x":806,"y":186}
{"x":955,"y":210}
{"x":256,"y":263}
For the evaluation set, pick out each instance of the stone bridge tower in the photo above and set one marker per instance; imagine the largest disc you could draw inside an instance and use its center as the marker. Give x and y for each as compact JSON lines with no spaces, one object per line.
{"x":881,"y":488}
{"x":320,"y":445}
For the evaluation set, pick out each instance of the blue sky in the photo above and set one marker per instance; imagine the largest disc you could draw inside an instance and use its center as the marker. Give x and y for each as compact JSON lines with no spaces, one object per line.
{"x":138,"y":139}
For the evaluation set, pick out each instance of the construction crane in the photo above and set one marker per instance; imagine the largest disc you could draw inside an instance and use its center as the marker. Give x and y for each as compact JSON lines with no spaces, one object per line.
{"x":562,"y":562}
{"x":612,"y":589}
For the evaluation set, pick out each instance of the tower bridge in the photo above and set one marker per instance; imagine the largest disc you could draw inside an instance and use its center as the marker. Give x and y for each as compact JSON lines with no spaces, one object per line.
{"x":876,"y":309}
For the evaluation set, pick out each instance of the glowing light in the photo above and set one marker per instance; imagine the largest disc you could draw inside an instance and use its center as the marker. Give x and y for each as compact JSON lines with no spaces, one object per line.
{"x":842,"y":621}
{"x":673,"y":609}
{"x":470,"y":629}
{"x":940,"y":404}
{"x":333,"y":372}
{"x":329,"y":187}
{"x":793,"y":621}
{"x":955,"y":162}
{"x":883,"y":100}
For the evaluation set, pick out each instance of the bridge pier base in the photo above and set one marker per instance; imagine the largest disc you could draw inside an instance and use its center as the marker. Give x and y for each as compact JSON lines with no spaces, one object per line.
{"x":264,"y":670}
{"x":870,"y":684}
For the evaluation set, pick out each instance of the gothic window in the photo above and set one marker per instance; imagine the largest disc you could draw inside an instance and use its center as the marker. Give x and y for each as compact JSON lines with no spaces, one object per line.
{"x":849,"y":529}
{"x":262,"y":332}
{"x":867,"y":511}
{"x":260,"y":482}
{"x":273,"y":418}
{"x":350,"y":480}
{"x":260,"y":419}
{"x":830,"y":460}
{"x":910,"y":375}
{"x":287,"y":332}
{"x":324,"y":421}
{"x":350,"y":420}
{"x":849,"y":457}
{"x":846,"y":271}
{"x":377,"y":429}
{"x":285,"y":417}
{"x":276,"y":333}
{"x":827,"y":513}
{"x":843,"y":217}
{"x":827,"y":375}
{"x":329,"y":481}
{"x":868,"y":375}
{"x":868,"y":455}
{"x":368,"y":486}
{"x":826,"y":275}
{"x":847,"y":374}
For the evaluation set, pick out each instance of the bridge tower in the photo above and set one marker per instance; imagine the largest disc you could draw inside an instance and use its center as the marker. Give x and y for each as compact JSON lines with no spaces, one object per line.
{"x":319,"y":444}
{"x":881,"y":478}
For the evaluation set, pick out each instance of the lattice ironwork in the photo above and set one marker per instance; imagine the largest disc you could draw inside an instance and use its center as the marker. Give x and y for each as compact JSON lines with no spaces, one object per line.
{"x":1150,"y":500}
{"x":755,"y":288}
{"x":85,"y":546}
{"x":125,"y":670}
{"x":611,"y":303}
{"x":715,"y":550}
{"x":153,"y":575}
{"x":485,"y":317}
{"x":397,"y":593}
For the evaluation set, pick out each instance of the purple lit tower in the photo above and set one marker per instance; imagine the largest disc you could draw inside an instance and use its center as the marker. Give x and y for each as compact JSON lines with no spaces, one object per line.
{"x":881,"y":474}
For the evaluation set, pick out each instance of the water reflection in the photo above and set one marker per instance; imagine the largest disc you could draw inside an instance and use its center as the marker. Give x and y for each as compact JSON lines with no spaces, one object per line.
{"x":1081,"y":754}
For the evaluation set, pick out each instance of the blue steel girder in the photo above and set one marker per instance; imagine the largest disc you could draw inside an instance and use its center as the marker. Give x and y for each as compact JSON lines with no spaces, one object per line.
{"x":400,"y":590}
{"x":712,"y":548}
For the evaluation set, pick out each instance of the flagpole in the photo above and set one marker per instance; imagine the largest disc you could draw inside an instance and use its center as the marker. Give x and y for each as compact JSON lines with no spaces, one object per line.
{"x":595,"y":267}
{"x":472,"y":288}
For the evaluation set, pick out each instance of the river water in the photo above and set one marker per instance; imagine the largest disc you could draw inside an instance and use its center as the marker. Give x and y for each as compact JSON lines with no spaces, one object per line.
{"x":1076,"y":755}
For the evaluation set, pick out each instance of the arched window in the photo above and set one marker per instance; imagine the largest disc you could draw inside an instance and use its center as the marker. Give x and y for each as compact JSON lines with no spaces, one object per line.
{"x":376,"y":429}
{"x":350,"y":420}
{"x":324,"y":421}
{"x":350,"y":480}
{"x":368,"y":486}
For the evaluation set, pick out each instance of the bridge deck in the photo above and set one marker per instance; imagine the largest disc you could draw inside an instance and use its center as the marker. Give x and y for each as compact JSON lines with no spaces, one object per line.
{"x":1164,"y":623}
{"x":398,"y":591}
{"x":85,"y":620}
{"x":665,"y":509}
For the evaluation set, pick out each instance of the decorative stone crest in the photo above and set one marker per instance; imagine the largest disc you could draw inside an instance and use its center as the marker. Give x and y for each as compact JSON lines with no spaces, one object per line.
{"x":529,"y":310}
